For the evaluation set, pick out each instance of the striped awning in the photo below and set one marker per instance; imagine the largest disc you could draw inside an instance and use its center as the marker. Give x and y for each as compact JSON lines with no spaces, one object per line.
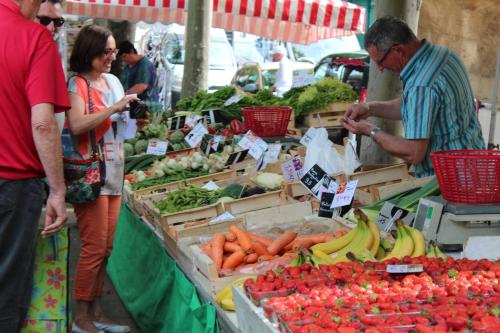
{"x":296,"y":21}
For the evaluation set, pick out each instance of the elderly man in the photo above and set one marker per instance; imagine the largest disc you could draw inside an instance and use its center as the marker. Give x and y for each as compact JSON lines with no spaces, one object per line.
{"x":284,"y":76}
{"x":30,"y":93}
{"x":437,"y":104}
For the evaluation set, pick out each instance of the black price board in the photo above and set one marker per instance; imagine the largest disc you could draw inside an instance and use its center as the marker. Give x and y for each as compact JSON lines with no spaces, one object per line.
{"x":178,"y":122}
{"x":206,"y":144}
{"x":212,"y":116}
{"x":325,"y":204}
{"x":236,"y":157}
{"x":315,"y":179}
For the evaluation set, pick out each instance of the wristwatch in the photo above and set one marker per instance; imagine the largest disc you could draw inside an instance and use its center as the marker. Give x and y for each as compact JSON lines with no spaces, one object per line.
{"x":373,"y":132}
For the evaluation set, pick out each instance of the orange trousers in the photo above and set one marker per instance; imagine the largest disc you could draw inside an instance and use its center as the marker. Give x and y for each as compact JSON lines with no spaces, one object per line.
{"x":97,"y":224}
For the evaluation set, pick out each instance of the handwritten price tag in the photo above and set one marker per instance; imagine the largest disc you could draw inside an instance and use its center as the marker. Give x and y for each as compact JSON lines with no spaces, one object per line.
{"x":317,"y":181}
{"x":255,"y":145}
{"x":415,"y":268}
{"x":325,"y":203}
{"x":157,"y":147}
{"x":344,"y":194}
{"x":292,"y":169}
{"x":196,"y":135}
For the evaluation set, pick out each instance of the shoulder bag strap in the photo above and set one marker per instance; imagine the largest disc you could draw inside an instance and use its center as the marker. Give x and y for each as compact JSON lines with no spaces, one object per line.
{"x":92,"y":135}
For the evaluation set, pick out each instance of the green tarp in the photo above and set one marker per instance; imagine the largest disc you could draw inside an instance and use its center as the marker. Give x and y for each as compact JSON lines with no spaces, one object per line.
{"x":155,"y":291}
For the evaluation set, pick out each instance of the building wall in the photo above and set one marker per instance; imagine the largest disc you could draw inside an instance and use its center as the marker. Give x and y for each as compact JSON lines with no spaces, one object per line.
{"x":472,"y":29}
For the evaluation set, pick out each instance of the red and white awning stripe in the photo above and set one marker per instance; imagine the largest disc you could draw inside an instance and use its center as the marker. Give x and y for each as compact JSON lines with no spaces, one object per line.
{"x":297,"y":21}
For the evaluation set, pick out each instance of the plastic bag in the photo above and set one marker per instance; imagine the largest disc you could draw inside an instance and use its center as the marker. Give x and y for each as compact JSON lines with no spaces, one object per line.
{"x":351,"y":160}
{"x":320,"y":151}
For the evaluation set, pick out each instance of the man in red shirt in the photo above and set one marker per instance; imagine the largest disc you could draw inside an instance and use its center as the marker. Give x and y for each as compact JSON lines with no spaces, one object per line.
{"x":32,"y":88}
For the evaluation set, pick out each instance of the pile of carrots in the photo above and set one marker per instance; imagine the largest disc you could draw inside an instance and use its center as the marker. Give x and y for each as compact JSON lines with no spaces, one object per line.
{"x":239,"y":247}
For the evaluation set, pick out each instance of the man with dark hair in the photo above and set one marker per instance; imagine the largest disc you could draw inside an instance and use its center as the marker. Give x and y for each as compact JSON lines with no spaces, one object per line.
{"x":437,"y":104}
{"x":139,"y":74}
{"x":30,"y":92}
{"x":50,"y":15}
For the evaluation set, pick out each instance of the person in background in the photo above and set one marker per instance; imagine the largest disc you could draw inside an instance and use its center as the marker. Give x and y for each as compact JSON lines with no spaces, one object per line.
{"x":91,"y":59}
{"x":437,"y":105}
{"x":284,"y":76}
{"x":50,"y":16}
{"x":30,"y":93}
{"x":139,"y":74}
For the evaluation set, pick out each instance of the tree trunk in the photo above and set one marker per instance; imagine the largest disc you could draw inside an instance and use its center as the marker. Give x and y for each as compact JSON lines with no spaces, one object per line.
{"x":122,"y":30}
{"x":195,"y":77}
{"x":386,"y":85}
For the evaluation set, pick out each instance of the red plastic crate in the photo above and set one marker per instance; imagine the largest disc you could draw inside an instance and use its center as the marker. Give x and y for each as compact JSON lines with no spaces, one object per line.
{"x":468,"y":176}
{"x":266,"y":121}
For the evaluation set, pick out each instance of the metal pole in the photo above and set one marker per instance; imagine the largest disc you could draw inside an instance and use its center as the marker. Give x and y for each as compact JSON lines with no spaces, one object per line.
{"x":493,"y":120}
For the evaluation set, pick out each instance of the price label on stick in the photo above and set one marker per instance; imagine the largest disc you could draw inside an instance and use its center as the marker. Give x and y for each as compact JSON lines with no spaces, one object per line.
{"x":255,"y":145}
{"x":272,"y":153}
{"x":317,"y":181}
{"x":233,"y":99}
{"x":292,"y":169}
{"x":157,"y":147}
{"x":414,"y":268}
{"x":324,"y":207}
{"x":236,"y":157}
{"x":196,"y":135}
{"x":344,"y":194}
{"x":192,"y":120}
{"x":178,"y":122}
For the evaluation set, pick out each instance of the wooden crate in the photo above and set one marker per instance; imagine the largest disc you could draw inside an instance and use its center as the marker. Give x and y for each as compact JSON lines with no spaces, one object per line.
{"x":295,"y":189}
{"x":389,"y":190}
{"x":169,"y":220}
{"x":328,"y":119}
{"x":136,"y":197}
{"x":382,"y":175}
{"x":178,"y":232}
{"x":250,"y":317}
{"x":256,"y":202}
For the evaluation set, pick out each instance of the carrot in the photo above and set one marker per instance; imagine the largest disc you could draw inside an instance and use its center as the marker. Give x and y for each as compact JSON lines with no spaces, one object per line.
{"x":218,"y":249}
{"x":234,"y":259}
{"x":231,"y":247}
{"x":265,"y":257}
{"x":279,"y":243}
{"x":251,"y":258}
{"x":242,"y":237}
{"x":230,"y":237}
{"x":264,"y":240}
{"x":303,"y":243}
{"x":259,"y":248}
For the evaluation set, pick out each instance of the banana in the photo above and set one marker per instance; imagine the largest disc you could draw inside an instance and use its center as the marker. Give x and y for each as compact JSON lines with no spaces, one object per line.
{"x":225,"y":296}
{"x":224,"y":293}
{"x":376,"y":236}
{"x":438,"y":252}
{"x":418,"y":241}
{"x":363,"y":256}
{"x":380,"y":253}
{"x":336,"y":244}
{"x":432,"y":251}
{"x":321,"y":257}
{"x":386,"y":245}
{"x":404,"y":244}
{"x":363,"y":240}
{"x":227,"y":304}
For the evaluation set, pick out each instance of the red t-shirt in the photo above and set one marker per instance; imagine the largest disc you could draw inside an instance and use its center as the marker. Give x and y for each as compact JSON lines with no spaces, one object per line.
{"x":30,"y":73}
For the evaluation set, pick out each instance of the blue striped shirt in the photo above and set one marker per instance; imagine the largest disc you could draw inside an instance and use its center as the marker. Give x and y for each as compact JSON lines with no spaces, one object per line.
{"x":438,"y":103}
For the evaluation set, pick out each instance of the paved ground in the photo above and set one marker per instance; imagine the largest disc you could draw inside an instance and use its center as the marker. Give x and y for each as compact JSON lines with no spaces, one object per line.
{"x":111,"y":302}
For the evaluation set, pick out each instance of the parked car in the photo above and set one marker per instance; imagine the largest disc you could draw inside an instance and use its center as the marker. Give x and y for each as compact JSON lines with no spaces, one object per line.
{"x":222,"y":61}
{"x":254,"y":77}
{"x":352,"y":68}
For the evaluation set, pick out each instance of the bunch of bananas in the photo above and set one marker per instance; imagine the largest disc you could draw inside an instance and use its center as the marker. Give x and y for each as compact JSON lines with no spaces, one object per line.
{"x":225,"y":297}
{"x":364,"y":237}
{"x":409,"y":242}
{"x":435,"y":252}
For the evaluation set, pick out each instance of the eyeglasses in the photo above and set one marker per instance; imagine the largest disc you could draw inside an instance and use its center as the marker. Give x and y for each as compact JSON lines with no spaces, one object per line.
{"x":45,"y":20}
{"x":381,"y":61}
{"x":108,"y":52}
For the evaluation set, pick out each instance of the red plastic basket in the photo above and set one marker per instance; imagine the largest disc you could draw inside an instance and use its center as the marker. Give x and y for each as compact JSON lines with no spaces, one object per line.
{"x":468,"y":176}
{"x":267,"y":121}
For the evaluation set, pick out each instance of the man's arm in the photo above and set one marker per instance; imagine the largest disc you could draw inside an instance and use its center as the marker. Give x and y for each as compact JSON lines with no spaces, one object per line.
{"x":138,"y":88}
{"x":412,"y":151}
{"x":387,"y":109}
{"x":48,"y":145}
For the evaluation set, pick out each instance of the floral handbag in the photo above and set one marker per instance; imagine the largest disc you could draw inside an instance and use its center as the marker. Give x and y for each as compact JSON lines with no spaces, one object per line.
{"x":84,"y":177}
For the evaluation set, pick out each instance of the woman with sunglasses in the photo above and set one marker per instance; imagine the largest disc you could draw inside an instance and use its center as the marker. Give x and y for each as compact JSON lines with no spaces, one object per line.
{"x":97,"y":103}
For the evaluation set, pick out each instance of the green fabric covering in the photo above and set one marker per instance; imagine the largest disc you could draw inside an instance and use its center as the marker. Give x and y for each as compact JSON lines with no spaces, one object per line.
{"x":155,"y":291}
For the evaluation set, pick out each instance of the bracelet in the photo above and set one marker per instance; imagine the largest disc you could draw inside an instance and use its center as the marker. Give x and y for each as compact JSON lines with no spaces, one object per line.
{"x":373,"y":132}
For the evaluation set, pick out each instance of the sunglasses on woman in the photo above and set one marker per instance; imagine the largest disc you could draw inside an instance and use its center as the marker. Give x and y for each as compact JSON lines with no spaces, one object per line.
{"x":45,"y":20}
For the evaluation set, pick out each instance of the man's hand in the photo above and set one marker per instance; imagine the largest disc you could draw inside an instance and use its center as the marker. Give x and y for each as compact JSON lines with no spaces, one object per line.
{"x":362,"y":127}
{"x":55,"y":216}
{"x":358,"y":111}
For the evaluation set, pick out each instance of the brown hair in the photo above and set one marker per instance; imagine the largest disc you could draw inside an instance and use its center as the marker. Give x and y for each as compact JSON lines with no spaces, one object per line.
{"x":90,"y":43}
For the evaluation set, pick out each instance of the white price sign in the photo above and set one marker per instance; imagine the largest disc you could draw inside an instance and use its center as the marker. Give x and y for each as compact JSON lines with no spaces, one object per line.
{"x":216,"y":140}
{"x":157,"y":147}
{"x":344,"y":194}
{"x":292,"y":169}
{"x":211,"y":186}
{"x":273,"y":153}
{"x":255,"y":145}
{"x":224,"y":217}
{"x":303,"y":78}
{"x":192,"y":120}
{"x":233,"y":99}
{"x":196,"y":135}
{"x":415,"y":268}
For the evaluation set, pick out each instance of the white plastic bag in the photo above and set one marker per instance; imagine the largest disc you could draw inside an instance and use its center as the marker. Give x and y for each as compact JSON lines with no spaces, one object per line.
{"x":320,"y":151}
{"x":351,"y":160}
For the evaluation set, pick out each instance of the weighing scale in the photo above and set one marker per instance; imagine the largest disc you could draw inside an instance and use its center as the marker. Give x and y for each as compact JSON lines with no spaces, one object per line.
{"x":450,"y":224}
